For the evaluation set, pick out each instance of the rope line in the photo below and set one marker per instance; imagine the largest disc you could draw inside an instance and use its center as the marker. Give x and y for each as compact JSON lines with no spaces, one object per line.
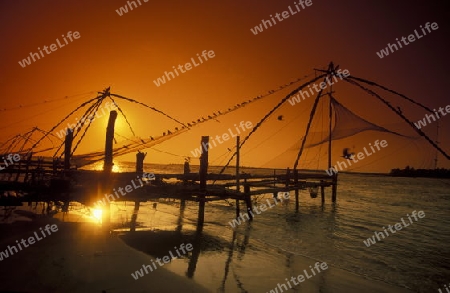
{"x":268,"y":115}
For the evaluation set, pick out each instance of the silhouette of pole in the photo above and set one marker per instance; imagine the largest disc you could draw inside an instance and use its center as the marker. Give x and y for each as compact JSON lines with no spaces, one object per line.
{"x":107,"y":168}
{"x":140,"y":162}
{"x":238,"y":156}
{"x":203,"y":177}
{"x":108,"y":163}
{"x":67,"y":149}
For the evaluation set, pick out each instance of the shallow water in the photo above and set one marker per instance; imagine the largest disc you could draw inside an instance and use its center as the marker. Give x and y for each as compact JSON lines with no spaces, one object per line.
{"x":263,"y":252}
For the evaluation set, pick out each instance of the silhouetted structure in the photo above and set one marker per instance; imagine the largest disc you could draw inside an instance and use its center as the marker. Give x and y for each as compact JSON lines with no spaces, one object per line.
{"x":411,"y":172}
{"x":140,"y":162}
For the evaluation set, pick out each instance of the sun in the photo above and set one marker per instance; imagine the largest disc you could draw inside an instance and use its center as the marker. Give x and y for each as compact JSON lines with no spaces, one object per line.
{"x":97,"y":214}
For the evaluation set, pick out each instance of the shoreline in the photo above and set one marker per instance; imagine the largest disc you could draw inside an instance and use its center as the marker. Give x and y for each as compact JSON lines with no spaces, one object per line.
{"x":81,"y":257}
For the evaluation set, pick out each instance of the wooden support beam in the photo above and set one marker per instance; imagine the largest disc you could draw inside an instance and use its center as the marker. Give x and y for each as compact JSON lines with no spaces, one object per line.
{"x":204,"y":162}
{"x":288,"y":177}
{"x":203,"y":177}
{"x":334,"y":188}
{"x":108,"y":163}
{"x":68,"y":149}
{"x":140,"y":162}
{"x":248,"y":200}
{"x":296,"y":189}
{"x":107,"y":169}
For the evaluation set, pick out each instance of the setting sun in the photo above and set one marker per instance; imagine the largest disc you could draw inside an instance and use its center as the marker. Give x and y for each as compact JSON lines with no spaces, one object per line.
{"x":97,"y":214}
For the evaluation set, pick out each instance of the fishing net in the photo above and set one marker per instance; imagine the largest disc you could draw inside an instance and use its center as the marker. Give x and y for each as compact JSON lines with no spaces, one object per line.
{"x":346,"y":124}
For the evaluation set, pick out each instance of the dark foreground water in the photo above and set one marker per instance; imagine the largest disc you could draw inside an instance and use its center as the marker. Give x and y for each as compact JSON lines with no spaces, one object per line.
{"x":417,"y":257}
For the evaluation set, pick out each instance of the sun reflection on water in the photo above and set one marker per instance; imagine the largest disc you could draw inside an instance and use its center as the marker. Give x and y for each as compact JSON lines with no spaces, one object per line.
{"x":97,"y":214}
{"x":98,"y":166}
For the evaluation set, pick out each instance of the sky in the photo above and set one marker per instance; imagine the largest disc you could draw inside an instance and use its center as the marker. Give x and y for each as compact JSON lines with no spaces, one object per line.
{"x":128,"y":52}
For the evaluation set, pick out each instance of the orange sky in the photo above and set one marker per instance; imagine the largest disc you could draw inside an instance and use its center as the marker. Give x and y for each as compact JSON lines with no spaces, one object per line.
{"x":128,"y":52}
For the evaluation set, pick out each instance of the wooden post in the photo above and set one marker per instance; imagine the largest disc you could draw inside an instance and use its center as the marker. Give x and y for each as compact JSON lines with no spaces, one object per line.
{"x":334,"y":187}
{"x":107,"y":169}
{"x":330,"y":129}
{"x":248,"y":200}
{"x":140,"y":163}
{"x":322,"y":191}
{"x":108,"y":163}
{"x":288,"y":177}
{"x":68,"y":149}
{"x":238,"y":187}
{"x":204,"y":162}
{"x":203,"y":178}
{"x":201,"y":213}
{"x":186,"y":170}
{"x":238,"y":209}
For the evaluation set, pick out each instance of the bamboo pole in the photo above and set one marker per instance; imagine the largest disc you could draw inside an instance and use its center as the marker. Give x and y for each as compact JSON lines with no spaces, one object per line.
{"x":311,"y":117}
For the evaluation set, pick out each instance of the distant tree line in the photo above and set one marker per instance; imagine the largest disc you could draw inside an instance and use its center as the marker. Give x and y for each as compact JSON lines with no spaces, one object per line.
{"x":411,"y":172}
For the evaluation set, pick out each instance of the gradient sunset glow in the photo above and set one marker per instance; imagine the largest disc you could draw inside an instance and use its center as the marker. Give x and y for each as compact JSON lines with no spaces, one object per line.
{"x":130,"y":51}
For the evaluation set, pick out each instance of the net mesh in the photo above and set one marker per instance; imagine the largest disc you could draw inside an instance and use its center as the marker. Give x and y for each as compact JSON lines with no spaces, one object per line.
{"x":346,"y":124}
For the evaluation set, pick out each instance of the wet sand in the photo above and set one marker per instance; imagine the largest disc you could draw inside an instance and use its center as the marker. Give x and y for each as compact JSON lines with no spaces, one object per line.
{"x":81,"y":257}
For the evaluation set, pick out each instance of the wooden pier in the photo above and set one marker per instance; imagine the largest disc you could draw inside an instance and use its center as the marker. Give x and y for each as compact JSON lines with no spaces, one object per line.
{"x":37,"y":179}
{"x":47,"y":180}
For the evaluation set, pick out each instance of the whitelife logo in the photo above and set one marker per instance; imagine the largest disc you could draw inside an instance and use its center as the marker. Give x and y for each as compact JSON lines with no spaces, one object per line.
{"x":398,"y":227}
{"x":11,"y":159}
{"x":423,"y":123}
{"x":166,"y":259}
{"x":31,"y":240}
{"x":241,"y":219}
{"x":85,"y":120}
{"x":129,"y":188}
{"x":53,"y":48}
{"x":122,"y":10}
{"x":285,"y":14}
{"x":360,"y":157}
{"x":318,"y":87}
{"x":411,"y":38}
{"x":188,"y":66}
{"x":204,"y":147}
{"x":318,"y":267}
